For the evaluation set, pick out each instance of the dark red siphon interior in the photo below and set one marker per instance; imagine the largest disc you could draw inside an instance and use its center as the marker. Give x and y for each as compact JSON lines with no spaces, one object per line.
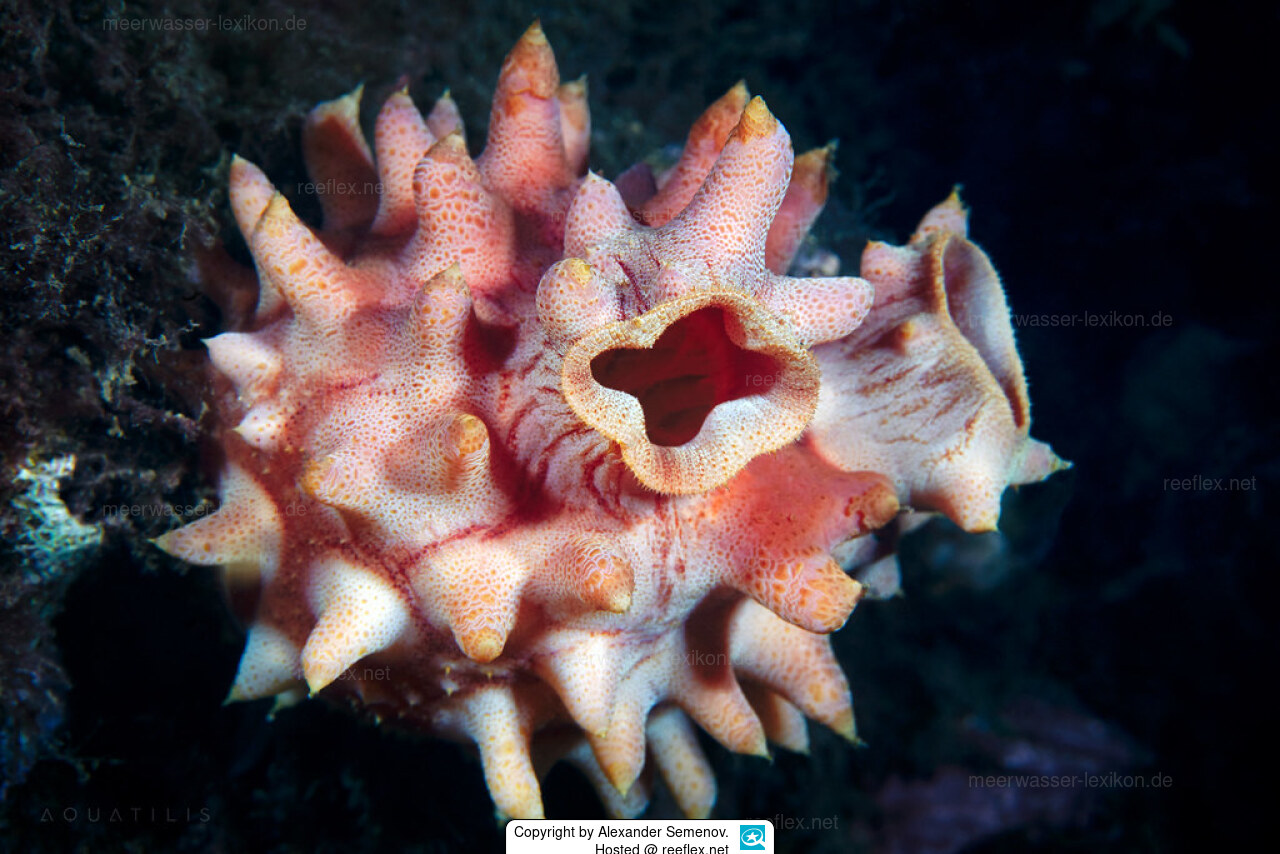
{"x":692,"y":368}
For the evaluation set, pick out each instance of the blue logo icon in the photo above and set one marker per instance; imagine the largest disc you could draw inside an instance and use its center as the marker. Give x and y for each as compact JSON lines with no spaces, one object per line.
{"x":752,"y":837}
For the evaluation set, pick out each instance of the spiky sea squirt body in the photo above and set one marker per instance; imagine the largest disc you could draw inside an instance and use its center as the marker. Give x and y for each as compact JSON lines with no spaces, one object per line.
{"x":512,"y":460}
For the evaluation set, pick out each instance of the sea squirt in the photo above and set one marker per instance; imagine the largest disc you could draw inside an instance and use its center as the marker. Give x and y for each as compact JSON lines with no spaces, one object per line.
{"x":514,"y":459}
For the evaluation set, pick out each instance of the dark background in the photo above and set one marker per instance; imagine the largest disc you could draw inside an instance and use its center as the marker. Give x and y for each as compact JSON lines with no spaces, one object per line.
{"x":1113,"y":156}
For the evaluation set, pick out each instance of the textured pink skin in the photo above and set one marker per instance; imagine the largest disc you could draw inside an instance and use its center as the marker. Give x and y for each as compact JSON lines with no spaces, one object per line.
{"x":516,"y":464}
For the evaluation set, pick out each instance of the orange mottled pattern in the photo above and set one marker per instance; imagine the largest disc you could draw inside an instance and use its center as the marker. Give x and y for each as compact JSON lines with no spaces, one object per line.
{"x":512,"y":460}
